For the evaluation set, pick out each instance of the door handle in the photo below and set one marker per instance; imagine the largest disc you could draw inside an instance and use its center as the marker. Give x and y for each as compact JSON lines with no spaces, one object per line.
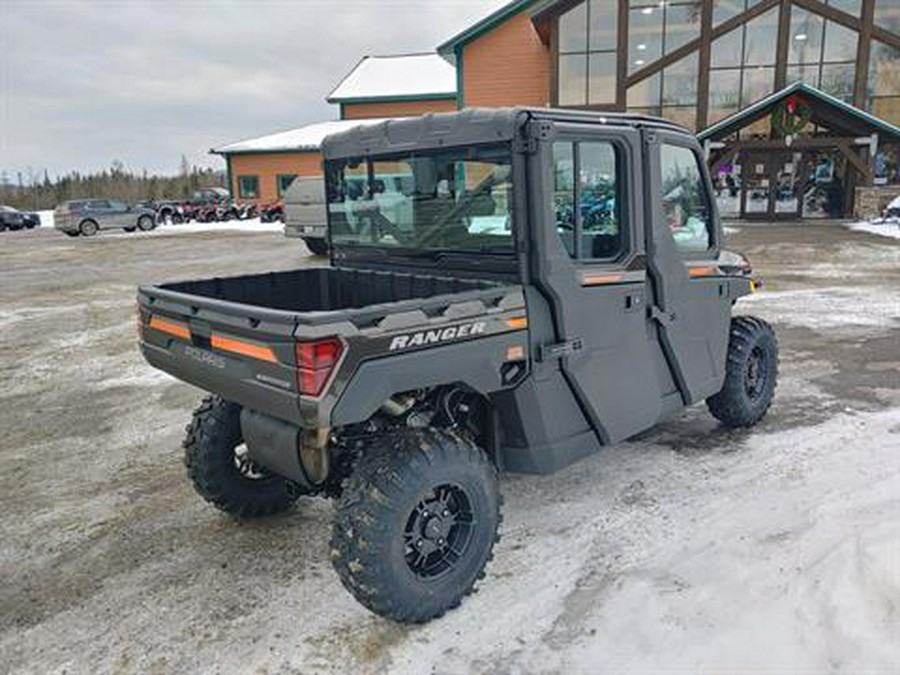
{"x":634,"y":302}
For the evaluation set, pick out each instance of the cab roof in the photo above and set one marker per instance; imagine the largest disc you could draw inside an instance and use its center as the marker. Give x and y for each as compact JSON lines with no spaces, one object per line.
{"x":469,"y":127}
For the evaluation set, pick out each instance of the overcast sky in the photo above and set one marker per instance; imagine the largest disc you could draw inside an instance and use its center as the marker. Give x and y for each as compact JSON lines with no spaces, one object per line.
{"x":85,"y":83}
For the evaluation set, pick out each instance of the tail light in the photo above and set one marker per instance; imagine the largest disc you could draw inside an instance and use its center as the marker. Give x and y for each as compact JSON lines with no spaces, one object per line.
{"x":316,"y":360}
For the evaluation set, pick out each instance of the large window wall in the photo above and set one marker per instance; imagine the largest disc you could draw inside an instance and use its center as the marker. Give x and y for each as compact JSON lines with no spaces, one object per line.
{"x":884,"y":81}
{"x":587,"y":49}
{"x":698,"y":61}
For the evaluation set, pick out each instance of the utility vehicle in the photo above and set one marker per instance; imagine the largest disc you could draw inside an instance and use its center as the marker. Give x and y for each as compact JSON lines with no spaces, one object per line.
{"x":547,"y":283}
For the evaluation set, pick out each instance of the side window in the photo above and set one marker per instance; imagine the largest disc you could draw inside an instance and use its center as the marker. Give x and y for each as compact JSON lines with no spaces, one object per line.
{"x":248,"y":186}
{"x":284,"y":182}
{"x":599,"y":208}
{"x":564,"y":193}
{"x":586,"y":201}
{"x":685,"y":199}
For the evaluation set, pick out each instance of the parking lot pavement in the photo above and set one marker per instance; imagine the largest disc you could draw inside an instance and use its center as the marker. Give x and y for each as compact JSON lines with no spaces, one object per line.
{"x":688,"y":548}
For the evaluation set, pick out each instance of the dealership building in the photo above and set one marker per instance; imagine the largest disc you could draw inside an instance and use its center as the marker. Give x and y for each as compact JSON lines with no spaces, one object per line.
{"x":797,"y":102}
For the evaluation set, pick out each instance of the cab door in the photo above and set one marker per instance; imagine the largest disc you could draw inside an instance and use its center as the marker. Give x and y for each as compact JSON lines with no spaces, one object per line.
{"x":589,"y":260}
{"x":690,"y":298}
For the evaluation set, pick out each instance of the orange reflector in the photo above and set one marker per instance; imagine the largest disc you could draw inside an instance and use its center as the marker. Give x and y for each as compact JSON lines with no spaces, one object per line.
{"x":598,"y":279}
{"x":254,"y":351}
{"x":703,"y":271}
{"x":517,"y":322}
{"x":175,"y":328}
{"x":515,"y":353}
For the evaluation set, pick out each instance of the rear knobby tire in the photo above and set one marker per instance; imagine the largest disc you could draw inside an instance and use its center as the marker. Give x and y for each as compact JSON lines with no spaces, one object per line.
{"x":399,"y":559}
{"x":751,"y":374}
{"x":213,"y":464}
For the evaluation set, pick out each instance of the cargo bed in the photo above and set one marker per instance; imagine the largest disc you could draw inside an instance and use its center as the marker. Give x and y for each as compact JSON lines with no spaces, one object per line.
{"x":237,"y":336}
{"x":325,"y":293}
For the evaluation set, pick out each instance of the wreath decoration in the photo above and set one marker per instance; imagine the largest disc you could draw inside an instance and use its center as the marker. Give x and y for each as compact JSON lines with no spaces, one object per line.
{"x":790,"y":118}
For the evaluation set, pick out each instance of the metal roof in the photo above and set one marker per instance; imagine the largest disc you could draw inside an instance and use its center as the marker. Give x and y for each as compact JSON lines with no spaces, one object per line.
{"x":748,"y":114}
{"x":302,"y":139}
{"x":488,"y":23}
{"x":399,"y":77}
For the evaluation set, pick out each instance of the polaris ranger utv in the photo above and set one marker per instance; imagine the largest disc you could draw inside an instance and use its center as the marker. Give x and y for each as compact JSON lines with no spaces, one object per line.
{"x":544,"y":283}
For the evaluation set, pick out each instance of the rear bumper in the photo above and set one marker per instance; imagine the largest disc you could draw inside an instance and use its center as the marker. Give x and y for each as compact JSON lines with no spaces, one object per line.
{"x":233,"y":379}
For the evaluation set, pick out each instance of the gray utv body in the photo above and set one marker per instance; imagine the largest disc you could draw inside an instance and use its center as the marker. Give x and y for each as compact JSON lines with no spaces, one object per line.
{"x":570,"y":354}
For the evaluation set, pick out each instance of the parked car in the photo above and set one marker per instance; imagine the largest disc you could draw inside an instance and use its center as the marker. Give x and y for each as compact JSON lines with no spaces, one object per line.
{"x":305,"y":216}
{"x":89,"y":216}
{"x":13,"y":219}
{"x":167,"y":210}
{"x":212,"y":195}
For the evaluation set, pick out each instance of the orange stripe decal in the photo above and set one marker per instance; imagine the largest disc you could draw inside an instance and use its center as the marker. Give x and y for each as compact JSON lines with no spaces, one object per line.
{"x":517,"y":322}
{"x":254,"y":351}
{"x":703,"y":271}
{"x":598,"y":279}
{"x":175,"y":328}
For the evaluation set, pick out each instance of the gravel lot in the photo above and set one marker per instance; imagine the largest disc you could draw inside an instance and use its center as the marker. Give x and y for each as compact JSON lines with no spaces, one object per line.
{"x":689,"y":549}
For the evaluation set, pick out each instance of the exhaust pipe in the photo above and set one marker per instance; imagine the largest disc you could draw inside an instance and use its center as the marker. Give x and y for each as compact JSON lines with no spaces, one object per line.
{"x":300,"y":455}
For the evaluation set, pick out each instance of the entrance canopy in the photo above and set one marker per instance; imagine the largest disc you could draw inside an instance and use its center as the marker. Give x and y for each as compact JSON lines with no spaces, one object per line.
{"x":806,"y":157}
{"x":838,"y":117}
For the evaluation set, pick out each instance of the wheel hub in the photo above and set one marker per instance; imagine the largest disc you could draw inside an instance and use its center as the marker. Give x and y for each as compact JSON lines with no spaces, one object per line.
{"x":438,"y":531}
{"x":755,"y":378}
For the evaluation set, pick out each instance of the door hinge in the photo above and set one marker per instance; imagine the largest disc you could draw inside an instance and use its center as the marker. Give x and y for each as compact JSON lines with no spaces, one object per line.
{"x":526,"y":145}
{"x":528,"y":140}
{"x":561,"y":349}
{"x":662,"y":317}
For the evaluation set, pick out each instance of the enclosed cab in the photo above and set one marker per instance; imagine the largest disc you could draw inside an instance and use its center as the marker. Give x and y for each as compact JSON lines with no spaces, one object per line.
{"x":509,"y":290}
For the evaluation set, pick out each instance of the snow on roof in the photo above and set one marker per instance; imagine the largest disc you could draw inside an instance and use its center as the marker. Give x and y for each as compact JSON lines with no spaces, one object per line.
{"x":309,"y":137}
{"x":404,"y":76}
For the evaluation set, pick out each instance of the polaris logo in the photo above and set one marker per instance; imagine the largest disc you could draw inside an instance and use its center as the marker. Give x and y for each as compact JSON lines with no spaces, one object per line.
{"x":430,"y":337}
{"x":204,"y":356}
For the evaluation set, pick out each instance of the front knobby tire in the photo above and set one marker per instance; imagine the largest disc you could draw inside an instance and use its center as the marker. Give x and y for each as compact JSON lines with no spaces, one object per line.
{"x":220,"y":470}
{"x":416,"y":524}
{"x":751,"y":374}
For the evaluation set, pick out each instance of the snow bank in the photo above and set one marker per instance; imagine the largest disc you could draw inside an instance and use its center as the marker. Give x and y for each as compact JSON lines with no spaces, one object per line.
{"x":889,"y":228}
{"x":46,"y":218}
{"x":253,"y":225}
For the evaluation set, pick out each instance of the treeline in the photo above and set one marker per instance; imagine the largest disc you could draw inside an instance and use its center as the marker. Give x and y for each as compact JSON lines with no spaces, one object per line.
{"x":37,"y":193}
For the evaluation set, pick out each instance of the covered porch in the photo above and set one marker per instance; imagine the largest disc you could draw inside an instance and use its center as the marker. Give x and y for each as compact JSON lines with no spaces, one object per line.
{"x":799,"y":153}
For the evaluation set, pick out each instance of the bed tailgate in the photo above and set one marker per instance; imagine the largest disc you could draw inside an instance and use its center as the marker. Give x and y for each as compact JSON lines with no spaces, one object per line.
{"x":243,"y":353}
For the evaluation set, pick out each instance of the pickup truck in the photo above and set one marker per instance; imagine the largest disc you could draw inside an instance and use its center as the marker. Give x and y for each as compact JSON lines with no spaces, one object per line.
{"x":543,"y":283}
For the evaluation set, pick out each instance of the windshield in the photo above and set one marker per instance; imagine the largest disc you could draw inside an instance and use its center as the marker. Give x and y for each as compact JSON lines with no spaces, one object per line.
{"x":458,"y":199}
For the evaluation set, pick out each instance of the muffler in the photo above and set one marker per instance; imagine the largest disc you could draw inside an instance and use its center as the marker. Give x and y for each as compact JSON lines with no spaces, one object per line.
{"x":300,"y":455}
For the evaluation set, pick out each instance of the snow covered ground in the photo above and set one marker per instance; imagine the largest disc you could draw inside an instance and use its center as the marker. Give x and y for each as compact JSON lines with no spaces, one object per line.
{"x":888,"y":228}
{"x":689,"y":549}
